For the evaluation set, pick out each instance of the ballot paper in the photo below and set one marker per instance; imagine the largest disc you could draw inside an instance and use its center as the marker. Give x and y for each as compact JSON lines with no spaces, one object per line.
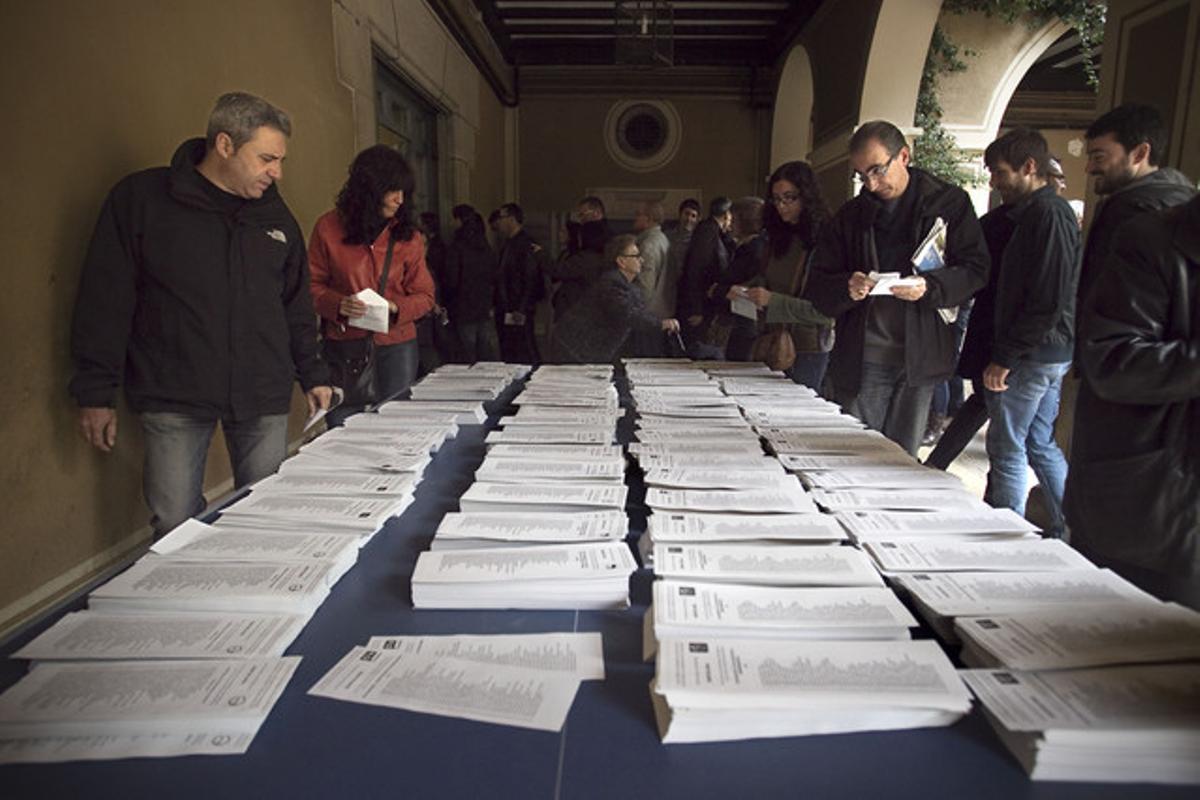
{"x":912,"y":477}
{"x":50,"y":749}
{"x":582,"y":419}
{"x":568,"y":576}
{"x":559,"y":452}
{"x":845,"y":442}
{"x":680,"y":423}
{"x":163,"y":585}
{"x":577,"y":654}
{"x":714,"y":436}
{"x":700,"y":528}
{"x":567,"y":434}
{"x":435,"y":684}
{"x":1130,"y":724}
{"x":195,"y":541}
{"x":934,"y":555}
{"x":649,"y":408}
{"x":143,"y":697}
{"x":897,"y":500}
{"x":725,"y":689}
{"x":683,"y":610}
{"x":766,"y":564}
{"x":1070,"y":638}
{"x":718,"y":479}
{"x":543,"y":497}
{"x":688,"y":448}
{"x":988,"y":522}
{"x":749,"y":501}
{"x":493,"y":529}
{"x":375,"y":318}
{"x":681,"y":460}
{"x":338,"y":483}
{"x":885,"y":281}
{"x":343,"y":455}
{"x":466,"y":412}
{"x":271,"y":510}
{"x":531,"y":468}
{"x":93,"y":636}
{"x":365,"y":451}
{"x":794,"y":462}
{"x":975,"y":593}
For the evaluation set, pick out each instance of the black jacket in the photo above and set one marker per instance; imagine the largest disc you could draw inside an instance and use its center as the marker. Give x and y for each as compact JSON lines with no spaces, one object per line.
{"x":845,"y":246}
{"x":1160,"y":189}
{"x":706,"y":263}
{"x":1133,"y":491}
{"x":194,"y":307}
{"x":1035,"y":293}
{"x":593,"y":330}
{"x":997,"y":226}
{"x":576,"y":272}
{"x":520,"y":283}
{"x":469,"y":287}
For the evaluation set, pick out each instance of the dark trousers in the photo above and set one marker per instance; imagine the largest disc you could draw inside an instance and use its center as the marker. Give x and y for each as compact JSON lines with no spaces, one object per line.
{"x":962,"y":429}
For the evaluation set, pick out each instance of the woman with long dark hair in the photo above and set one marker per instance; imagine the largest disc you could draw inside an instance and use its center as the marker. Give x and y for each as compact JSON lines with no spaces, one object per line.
{"x":792,"y":219}
{"x":469,"y":288}
{"x":368,"y":241}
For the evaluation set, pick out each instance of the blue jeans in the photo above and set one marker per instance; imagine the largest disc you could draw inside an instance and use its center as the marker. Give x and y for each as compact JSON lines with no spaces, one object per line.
{"x":887,"y":403}
{"x":809,"y":370}
{"x":395,"y":373}
{"x":1020,"y":431}
{"x":176,"y":448}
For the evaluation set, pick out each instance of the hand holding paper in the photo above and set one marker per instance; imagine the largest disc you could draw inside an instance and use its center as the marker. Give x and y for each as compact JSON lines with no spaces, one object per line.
{"x":375,"y":318}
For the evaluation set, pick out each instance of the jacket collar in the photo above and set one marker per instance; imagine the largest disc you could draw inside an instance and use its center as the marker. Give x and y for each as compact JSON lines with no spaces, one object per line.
{"x":186,"y":184}
{"x":1018,"y":209}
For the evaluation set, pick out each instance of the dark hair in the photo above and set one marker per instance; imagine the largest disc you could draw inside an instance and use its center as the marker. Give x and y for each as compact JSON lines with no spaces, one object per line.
{"x":878,"y":130}
{"x":813,"y":211}
{"x":747,"y":215}
{"x":594,"y":203}
{"x":1131,"y":124}
{"x":691,"y":203}
{"x":616,"y":245}
{"x":430,"y":223}
{"x":513,"y":210}
{"x":1018,"y":146}
{"x":373,"y":173}
{"x":593,"y":235}
{"x":471,"y":232}
{"x":719,"y":206}
{"x":492,"y":217}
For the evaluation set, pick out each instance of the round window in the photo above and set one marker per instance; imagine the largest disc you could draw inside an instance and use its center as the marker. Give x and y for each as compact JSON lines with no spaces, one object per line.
{"x":642,"y":135}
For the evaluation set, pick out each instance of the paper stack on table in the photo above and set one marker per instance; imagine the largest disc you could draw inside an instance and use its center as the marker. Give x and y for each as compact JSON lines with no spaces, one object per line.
{"x":708,"y":690}
{"x":1135,"y":724}
{"x":766,"y":564}
{"x":476,"y":530}
{"x":573,"y":576}
{"x":526,"y":680}
{"x":123,"y":709}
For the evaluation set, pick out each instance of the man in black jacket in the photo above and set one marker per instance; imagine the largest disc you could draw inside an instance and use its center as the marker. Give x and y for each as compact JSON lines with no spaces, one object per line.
{"x":891,"y":350}
{"x":1034,"y":324}
{"x":704,"y":266}
{"x":1126,"y":147}
{"x":518,"y":288}
{"x":1133,"y":494}
{"x":194,"y":296}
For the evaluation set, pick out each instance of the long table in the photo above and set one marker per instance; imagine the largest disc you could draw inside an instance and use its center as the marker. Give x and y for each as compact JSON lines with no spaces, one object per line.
{"x":313,"y":747}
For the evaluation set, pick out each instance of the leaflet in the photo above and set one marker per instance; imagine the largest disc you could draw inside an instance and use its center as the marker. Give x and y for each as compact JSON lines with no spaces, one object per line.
{"x":90,"y":635}
{"x":195,"y":541}
{"x":689,"y":448}
{"x":687,"y":527}
{"x":337,"y":483}
{"x":718,"y":479}
{"x":537,"y":435}
{"x":739,"y":461}
{"x":451,"y":687}
{"x":793,"y":462}
{"x":869,"y":525}
{"x":50,"y":749}
{"x":897,"y":500}
{"x":337,"y":456}
{"x":514,"y":470}
{"x":275,"y":510}
{"x":975,"y":593}
{"x":1083,"y":637}
{"x":926,"y":555}
{"x":751,"y":501}
{"x":555,"y":562}
{"x":577,"y":654}
{"x":914,"y":477}
{"x":766,"y":565}
{"x":538,"y":497}
{"x":534,"y":528}
{"x":559,"y":452}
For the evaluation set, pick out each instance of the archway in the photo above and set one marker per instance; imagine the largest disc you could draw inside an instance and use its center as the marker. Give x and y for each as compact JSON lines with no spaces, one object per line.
{"x":791,"y":125}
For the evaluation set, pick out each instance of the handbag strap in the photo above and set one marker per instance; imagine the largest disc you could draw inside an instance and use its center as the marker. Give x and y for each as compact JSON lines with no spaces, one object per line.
{"x":387,"y":264}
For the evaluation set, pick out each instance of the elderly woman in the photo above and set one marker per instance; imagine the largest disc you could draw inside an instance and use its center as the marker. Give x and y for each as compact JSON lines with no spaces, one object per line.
{"x":594,"y":329}
{"x":368,"y":241}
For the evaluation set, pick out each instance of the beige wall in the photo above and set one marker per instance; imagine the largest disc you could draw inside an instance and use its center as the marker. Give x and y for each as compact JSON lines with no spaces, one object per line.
{"x":95,"y":91}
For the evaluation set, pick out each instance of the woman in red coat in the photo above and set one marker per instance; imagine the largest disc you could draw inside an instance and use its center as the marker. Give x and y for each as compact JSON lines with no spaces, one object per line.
{"x":349,"y":251}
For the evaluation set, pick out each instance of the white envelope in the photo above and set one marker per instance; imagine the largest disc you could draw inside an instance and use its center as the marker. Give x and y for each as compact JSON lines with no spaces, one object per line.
{"x":376,"y":318}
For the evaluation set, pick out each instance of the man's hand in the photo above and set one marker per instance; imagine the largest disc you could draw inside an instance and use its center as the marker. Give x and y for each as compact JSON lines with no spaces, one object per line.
{"x":995,"y":378}
{"x":860,"y":286}
{"x":910,"y":293}
{"x":352,"y":307}
{"x":318,"y":397}
{"x":670,"y":326}
{"x":759,"y":296}
{"x":695,"y":320}
{"x":99,"y":427}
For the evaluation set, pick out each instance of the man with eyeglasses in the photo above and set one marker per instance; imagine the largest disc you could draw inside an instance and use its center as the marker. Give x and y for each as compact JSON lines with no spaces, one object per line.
{"x":892,"y":349}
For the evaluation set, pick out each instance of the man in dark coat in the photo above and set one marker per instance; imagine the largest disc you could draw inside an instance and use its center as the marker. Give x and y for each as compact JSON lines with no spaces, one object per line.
{"x":195,"y":298}
{"x":891,"y":350}
{"x":518,"y":289}
{"x":705,"y":265}
{"x":1133,"y":492}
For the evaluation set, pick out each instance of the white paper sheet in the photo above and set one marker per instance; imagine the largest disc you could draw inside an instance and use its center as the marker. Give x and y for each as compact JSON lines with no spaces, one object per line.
{"x":923,"y":555}
{"x":766,"y":565}
{"x":376,"y":316}
{"x":577,"y":654}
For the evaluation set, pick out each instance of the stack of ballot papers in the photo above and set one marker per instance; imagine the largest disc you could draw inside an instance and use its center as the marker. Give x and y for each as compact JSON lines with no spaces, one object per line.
{"x":127,"y":709}
{"x":194,"y":540}
{"x":766,"y":564}
{"x":939,"y":555}
{"x":686,"y":610}
{"x":535,"y":469}
{"x":785,"y":499}
{"x":699,"y":528}
{"x":988,"y":524}
{"x":1073,"y":637}
{"x":269,"y":511}
{"x":593,"y":575}
{"x":713,"y":689}
{"x":463,"y":412}
{"x":544,"y":498}
{"x":1133,"y":724}
{"x":942,"y":596}
{"x":526,"y":680}
{"x":475,"y":530}
{"x":465,"y":385}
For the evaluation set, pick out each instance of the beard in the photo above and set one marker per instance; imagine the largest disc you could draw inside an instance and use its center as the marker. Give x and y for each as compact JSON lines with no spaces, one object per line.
{"x":1116,"y":177}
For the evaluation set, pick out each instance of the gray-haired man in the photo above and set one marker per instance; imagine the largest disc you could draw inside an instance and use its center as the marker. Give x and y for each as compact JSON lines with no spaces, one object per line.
{"x":194,"y":297}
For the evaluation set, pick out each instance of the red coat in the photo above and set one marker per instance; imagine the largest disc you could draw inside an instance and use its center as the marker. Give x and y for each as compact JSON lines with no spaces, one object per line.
{"x":338,"y":270}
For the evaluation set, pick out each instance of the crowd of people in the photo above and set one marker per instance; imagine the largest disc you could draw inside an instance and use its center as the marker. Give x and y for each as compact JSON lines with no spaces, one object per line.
{"x":200,"y":299}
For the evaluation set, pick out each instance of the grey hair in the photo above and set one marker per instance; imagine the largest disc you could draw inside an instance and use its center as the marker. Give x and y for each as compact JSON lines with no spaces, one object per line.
{"x":239,"y":115}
